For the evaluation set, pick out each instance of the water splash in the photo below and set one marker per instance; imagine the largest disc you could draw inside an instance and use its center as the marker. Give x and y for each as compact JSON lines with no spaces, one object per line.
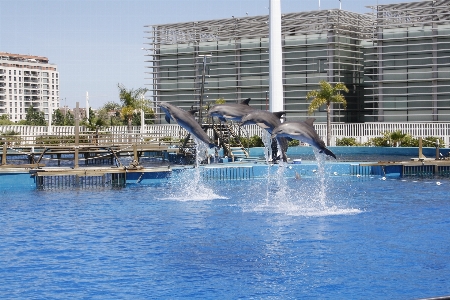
{"x":188,"y":185}
{"x":310,"y":197}
{"x":266,"y":138}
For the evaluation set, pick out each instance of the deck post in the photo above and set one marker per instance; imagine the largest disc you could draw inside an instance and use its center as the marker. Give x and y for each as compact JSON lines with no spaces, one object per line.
{"x":135,"y":153}
{"x":5,"y":147}
{"x":437,"y":149}
{"x":420,"y":149}
{"x":77,"y":134}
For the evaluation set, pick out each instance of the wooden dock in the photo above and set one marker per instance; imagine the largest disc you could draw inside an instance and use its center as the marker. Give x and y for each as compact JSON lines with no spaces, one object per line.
{"x":415,"y":167}
{"x":89,"y":154}
{"x":68,"y":178}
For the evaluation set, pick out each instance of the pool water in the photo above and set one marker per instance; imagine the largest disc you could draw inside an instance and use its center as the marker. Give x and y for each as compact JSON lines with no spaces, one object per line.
{"x":321,"y":236}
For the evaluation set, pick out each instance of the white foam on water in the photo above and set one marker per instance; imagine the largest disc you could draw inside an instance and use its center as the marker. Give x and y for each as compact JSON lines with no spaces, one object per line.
{"x":310,"y":199}
{"x":189,"y":185}
{"x":266,"y":138}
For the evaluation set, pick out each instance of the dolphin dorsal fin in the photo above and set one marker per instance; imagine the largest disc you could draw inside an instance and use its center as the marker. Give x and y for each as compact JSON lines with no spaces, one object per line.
{"x":310,"y":121}
{"x":246,"y":101}
{"x":279,"y":114}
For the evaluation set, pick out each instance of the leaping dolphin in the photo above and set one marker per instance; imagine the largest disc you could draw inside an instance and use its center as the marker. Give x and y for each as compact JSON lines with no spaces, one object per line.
{"x":232,"y":112}
{"x":186,"y":120}
{"x":267,"y":121}
{"x":302,"y":131}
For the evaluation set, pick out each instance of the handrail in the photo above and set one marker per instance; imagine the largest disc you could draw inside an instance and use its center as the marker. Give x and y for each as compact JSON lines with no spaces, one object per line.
{"x":161,"y":133}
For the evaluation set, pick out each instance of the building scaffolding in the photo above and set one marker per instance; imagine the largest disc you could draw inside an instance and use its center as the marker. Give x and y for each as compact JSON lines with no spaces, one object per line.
{"x":317,"y":45}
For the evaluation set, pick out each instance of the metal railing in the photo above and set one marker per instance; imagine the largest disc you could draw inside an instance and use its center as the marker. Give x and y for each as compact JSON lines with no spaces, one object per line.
{"x":362,"y":132}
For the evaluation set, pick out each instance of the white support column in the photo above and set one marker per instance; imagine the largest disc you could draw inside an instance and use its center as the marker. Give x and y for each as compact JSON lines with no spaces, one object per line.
{"x":142,"y":122}
{"x":87,"y":105}
{"x":276,"y":99}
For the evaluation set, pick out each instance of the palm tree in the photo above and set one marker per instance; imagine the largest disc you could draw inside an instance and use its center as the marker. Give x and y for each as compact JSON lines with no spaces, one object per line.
{"x":327,"y":94}
{"x":131,"y":101}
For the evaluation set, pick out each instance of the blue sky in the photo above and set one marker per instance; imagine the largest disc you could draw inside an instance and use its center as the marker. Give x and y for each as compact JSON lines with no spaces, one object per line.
{"x":98,"y":43}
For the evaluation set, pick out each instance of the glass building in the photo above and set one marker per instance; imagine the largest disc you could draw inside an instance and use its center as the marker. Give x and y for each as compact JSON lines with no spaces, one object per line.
{"x":408,"y":63}
{"x":395,"y":61}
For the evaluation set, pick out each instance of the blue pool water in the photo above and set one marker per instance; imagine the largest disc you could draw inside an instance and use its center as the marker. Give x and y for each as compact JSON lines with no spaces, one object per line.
{"x":318,"y":236}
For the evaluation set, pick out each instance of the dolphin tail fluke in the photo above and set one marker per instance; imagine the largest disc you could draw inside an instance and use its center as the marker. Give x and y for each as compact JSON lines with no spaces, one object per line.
{"x":328,"y":152}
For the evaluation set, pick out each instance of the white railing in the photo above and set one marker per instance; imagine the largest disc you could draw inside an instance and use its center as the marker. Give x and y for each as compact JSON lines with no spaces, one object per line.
{"x":361,"y":131}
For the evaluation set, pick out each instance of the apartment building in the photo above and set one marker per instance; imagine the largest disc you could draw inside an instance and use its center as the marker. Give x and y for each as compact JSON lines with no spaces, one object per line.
{"x":27,"y":81}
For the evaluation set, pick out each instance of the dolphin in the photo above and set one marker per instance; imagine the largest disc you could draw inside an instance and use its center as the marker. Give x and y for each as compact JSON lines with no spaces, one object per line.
{"x":186,"y":120}
{"x":302,"y":131}
{"x":267,"y":121}
{"x":232,"y":112}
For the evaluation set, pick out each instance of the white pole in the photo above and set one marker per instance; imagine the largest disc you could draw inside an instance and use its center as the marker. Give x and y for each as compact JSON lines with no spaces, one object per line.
{"x":87,"y":105}
{"x":142,"y":121}
{"x":319,"y":4}
{"x":340,"y":4}
{"x":276,"y":100}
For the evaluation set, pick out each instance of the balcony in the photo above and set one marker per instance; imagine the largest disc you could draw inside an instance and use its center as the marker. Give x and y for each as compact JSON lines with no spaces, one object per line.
{"x":27,"y":92}
{"x":31,"y":79}
{"x":31,"y":86}
{"x":32,"y":73}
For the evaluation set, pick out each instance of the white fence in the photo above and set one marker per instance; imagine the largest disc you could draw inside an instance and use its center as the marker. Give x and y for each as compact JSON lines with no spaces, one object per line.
{"x":361,"y":131}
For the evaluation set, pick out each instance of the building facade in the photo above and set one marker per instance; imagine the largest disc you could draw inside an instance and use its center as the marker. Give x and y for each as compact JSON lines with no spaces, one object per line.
{"x":408,"y":63}
{"x":395,"y":61}
{"x":27,"y":81}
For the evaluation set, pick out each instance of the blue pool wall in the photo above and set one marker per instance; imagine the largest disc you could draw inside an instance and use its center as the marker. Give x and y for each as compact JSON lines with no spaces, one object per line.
{"x":349,"y":150}
{"x":14,"y":181}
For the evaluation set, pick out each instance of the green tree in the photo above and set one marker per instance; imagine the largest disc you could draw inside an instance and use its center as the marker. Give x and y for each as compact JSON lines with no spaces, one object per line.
{"x":149,"y":116}
{"x":397,"y":137}
{"x":132,"y":100}
{"x":110,"y":114}
{"x":4,"y":120}
{"x":326,"y":95}
{"x":35,"y":117}
{"x":57,"y":118}
{"x":94,"y":122}
{"x":60,"y":119}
